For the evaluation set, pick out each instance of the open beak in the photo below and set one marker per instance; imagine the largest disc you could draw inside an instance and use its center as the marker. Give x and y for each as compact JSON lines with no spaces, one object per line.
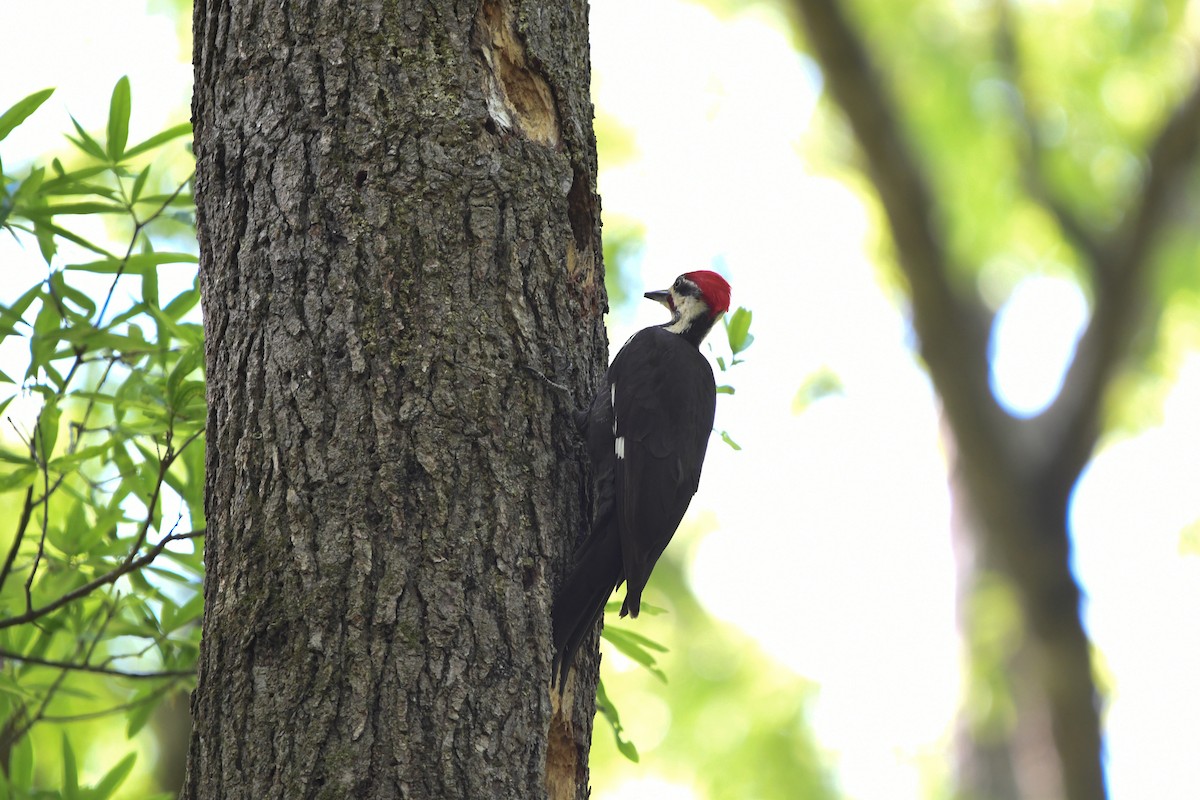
{"x":662,"y":296}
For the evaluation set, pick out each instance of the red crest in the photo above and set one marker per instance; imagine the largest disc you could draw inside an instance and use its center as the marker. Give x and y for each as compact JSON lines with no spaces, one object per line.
{"x":714,"y":287}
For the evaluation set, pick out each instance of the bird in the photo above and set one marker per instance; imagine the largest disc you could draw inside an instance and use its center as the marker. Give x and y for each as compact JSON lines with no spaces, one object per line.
{"x":646,"y":433}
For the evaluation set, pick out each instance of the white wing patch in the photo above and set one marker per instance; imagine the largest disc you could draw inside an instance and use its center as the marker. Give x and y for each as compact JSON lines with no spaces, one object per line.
{"x":621,"y":447}
{"x":613,"y":398}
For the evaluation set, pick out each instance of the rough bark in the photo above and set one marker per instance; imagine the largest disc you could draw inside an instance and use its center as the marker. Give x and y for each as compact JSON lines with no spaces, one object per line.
{"x":1019,"y":473}
{"x":398,"y":225}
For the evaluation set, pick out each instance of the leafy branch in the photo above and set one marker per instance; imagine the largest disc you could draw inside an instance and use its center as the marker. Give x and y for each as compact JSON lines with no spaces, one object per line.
{"x":127,"y":383}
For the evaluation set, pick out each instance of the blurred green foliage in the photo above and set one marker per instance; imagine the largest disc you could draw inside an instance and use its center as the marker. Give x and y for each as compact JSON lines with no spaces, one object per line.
{"x":715,"y":714}
{"x":1034,"y":122}
{"x":102,"y":460}
{"x":1015,"y":108}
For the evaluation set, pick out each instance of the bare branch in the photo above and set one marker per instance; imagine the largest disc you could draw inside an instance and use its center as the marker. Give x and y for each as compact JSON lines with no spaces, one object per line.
{"x":1122,"y":279}
{"x":1033,"y":149}
{"x":951,"y":325}
{"x":1171,"y":161}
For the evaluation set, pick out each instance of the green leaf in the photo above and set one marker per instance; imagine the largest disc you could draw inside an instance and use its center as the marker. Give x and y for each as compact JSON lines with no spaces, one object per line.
{"x":45,"y":239}
{"x":190,"y":360}
{"x":605,"y":707}
{"x":817,"y":386}
{"x":21,"y":110}
{"x":87,"y":207}
{"x":725,"y":389}
{"x":74,"y":182}
{"x":737,"y":330}
{"x":47,"y":429}
{"x":115,"y":777}
{"x":637,"y":647}
{"x":79,"y":240}
{"x":16,"y":458}
{"x":11,"y":314}
{"x":20,"y":768}
{"x":150,"y":291}
{"x":135,"y":264}
{"x":28,"y":190}
{"x":184,"y":302}
{"x":70,"y":788}
{"x":145,"y":700}
{"x":64,"y":292}
{"x":86,"y":143}
{"x":183,"y":129}
{"x":118,"y":119}
{"x":727,"y":439}
{"x":45,"y":332}
{"x":138,"y":185}
{"x":614,"y":606}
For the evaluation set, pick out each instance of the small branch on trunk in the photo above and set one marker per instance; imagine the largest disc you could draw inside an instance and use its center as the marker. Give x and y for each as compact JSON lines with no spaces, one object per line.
{"x":1122,"y":278}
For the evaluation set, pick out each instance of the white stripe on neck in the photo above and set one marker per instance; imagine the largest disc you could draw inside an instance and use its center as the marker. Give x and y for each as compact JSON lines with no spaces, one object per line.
{"x":688,"y":309}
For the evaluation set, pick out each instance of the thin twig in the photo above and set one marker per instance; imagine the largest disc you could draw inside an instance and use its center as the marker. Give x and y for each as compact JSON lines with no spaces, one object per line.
{"x":68,"y":718}
{"x":100,"y":670}
{"x":110,"y":611}
{"x":139,"y":226}
{"x":18,"y":537}
{"x":41,"y":550}
{"x":109,"y":577}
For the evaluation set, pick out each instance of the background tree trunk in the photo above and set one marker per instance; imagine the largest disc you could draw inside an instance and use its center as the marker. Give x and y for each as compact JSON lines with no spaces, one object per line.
{"x":1019,"y":473}
{"x":397,"y":218}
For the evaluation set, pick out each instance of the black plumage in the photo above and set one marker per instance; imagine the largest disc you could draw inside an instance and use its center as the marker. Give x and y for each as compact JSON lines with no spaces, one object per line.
{"x":647,"y":431}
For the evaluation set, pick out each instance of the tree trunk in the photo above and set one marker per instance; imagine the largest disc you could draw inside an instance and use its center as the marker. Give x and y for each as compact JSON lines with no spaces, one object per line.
{"x":1018,"y":473}
{"x":398,"y":226}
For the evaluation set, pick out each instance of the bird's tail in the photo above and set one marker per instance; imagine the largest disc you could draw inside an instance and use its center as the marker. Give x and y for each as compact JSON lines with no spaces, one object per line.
{"x":582,"y":597}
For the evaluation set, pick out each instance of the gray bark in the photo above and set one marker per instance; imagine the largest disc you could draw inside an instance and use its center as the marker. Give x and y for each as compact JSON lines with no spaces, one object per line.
{"x":398,"y":220}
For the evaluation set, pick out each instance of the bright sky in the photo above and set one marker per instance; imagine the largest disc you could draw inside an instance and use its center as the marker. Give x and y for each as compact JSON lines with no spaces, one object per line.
{"x":833,"y":549}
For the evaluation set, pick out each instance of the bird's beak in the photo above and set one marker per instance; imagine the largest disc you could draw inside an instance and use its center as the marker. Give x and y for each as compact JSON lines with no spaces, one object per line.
{"x":662,"y":296}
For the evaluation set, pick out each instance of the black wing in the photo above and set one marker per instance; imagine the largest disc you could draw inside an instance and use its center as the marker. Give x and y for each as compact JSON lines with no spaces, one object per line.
{"x":597,"y":567}
{"x":664,"y":400}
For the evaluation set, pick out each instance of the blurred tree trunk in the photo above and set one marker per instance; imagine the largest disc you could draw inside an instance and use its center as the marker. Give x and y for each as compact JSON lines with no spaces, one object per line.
{"x":1017,"y":474}
{"x":398,"y":225}
{"x":1003,"y":743}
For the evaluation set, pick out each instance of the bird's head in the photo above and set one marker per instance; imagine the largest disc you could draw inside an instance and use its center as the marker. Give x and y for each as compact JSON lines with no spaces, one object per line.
{"x":696,"y":300}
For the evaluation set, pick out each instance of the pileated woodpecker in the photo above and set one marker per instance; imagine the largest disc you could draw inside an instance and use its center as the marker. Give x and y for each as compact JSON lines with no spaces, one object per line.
{"x":647,"y":430}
